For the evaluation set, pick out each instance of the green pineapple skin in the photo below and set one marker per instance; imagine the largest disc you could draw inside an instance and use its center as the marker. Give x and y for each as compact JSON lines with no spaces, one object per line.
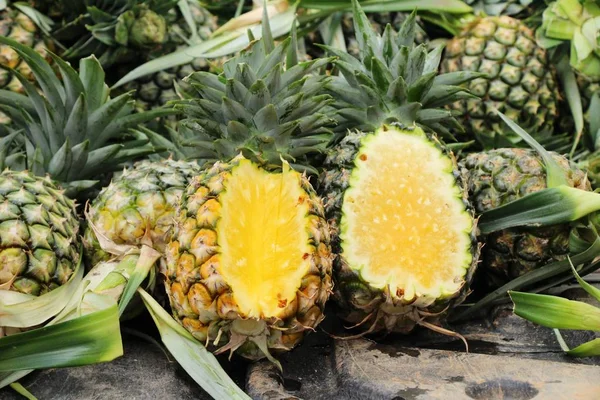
{"x":39,"y":246}
{"x":497,"y":177}
{"x":521,"y":82}
{"x":143,"y":197}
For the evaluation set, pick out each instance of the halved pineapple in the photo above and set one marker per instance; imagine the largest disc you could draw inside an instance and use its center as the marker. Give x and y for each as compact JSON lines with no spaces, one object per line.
{"x":405,"y":232}
{"x":250,"y":264}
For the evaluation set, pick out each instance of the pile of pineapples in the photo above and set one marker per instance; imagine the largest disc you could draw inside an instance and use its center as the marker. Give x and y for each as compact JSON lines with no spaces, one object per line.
{"x":395,"y":176}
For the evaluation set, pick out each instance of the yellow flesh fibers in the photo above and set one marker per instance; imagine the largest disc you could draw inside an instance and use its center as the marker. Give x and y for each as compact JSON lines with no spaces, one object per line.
{"x":263,"y":238}
{"x":404,"y":224}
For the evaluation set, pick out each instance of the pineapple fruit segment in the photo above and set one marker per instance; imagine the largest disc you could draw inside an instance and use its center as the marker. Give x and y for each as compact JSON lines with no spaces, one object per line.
{"x":402,"y":230}
{"x":406,"y":236}
{"x":39,"y":246}
{"x":249,"y":266}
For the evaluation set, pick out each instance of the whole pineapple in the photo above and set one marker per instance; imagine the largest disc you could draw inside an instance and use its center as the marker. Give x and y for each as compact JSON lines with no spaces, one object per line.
{"x":520,"y":81}
{"x":39,"y":246}
{"x":497,"y":177}
{"x":142,"y":199}
{"x":249,"y":267}
{"x":402,"y":229}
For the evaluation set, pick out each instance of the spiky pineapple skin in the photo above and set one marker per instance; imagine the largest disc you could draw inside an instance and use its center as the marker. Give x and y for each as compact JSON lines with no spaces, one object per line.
{"x":355,"y":298}
{"x":39,"y":246}
{"x":497,"y":177}
{"x":143,"y":198}
{"x":200,"y":298}
{"x":520,"y":82}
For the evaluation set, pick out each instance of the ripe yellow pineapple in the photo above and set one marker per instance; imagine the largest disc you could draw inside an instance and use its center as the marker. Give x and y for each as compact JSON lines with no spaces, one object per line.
{"x":250,"y":266}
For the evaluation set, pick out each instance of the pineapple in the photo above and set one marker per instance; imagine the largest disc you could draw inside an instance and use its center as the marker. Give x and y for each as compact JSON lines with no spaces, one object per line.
{"x":143,"y":198}
{"x":39,"y":246}
{"x":251,"y":262}
{"x":520,"y":81}
{"x":497,"y":177}
{"x":249,"y":266}
{"x":401,"y":224}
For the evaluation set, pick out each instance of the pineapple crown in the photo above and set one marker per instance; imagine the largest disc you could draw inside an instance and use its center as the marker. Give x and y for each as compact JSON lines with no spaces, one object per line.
{"x":265,"y":104}
{"x":114,"y":30}
{"x":394,"y":81}
{"x":70,"y":128}
{"x":579,"y":23}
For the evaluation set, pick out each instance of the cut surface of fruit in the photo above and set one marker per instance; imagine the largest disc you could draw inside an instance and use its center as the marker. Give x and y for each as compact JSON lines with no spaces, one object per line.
{"x":263,"y":237}
{"x":404,"y":223}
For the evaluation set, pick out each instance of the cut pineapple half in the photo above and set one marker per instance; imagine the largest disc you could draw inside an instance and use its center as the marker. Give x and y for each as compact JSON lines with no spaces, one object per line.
{"x":404,"y":224}
{"x":264,"y":238}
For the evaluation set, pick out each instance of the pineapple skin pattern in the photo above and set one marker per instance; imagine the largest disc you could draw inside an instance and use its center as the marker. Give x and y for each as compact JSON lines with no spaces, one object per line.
{"x":497,"y":177}
{"x":39,"y":245}
{"x":201,"y":299}
{"x":143,"y":198}
{"x":521,"y":82}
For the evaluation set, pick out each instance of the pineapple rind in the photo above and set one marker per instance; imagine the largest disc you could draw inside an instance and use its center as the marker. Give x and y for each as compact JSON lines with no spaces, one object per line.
{"x":142,"y":198}
{"x":520,"y":82}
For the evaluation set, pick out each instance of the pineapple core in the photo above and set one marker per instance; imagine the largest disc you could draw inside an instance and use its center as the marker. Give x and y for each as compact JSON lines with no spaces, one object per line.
{"x":264,"y":238}
{"x":404,"y":224}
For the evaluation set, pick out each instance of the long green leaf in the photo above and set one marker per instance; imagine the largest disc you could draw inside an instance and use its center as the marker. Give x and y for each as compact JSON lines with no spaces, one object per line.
{"x":6,"y":378}
{"x":85,"y":340}
{"x":543,"y":274}
{"x":17,"y":387}
{"x":555,"y":176}
{"x":556,"y":312}
{"x":592,"y":290}
{"x":571,"y":89}
{"x":546,"y":207}
{"x":148,"y":256}
{"x":449,"y":6}
{"x":198,"y":362}
{"x":591,"y":348}
{"x":39,"y":309}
